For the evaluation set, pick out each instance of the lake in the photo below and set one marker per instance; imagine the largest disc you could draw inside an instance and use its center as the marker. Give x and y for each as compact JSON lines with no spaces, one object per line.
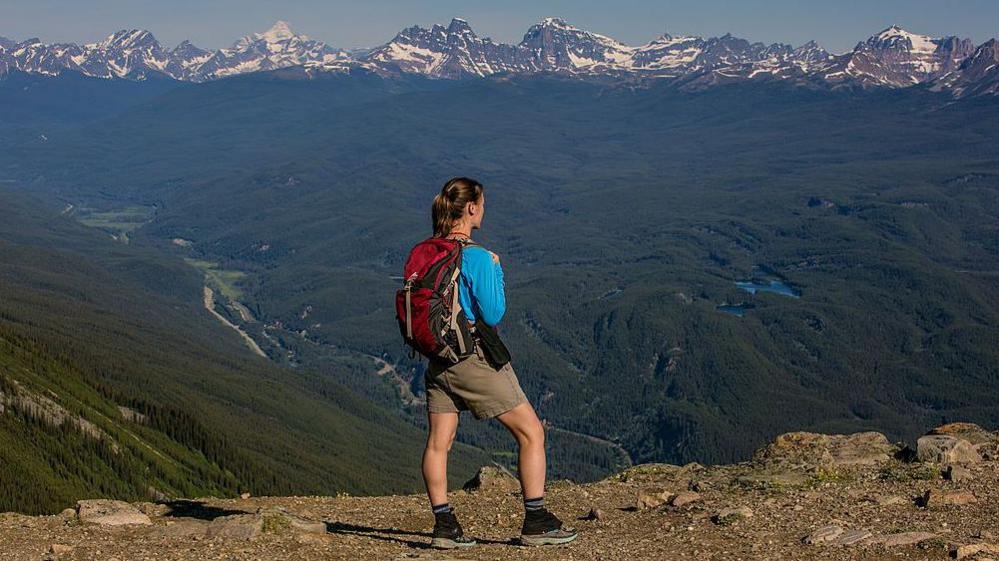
{"x":774,"y":286}
{"x":738,"y":310}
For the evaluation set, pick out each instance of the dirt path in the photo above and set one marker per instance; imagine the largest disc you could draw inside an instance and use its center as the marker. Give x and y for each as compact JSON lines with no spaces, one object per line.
{"x":209,"y":301}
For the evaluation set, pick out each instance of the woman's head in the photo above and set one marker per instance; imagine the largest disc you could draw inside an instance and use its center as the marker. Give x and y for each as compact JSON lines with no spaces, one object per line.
{"x":460,"y":202}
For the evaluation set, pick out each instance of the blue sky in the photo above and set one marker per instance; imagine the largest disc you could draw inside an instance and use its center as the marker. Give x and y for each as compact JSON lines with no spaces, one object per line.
{"x":836,"y":24}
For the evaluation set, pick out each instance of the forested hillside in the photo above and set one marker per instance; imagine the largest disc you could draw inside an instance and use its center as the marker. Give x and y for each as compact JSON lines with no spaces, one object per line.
{"x":115,"y":382}
{"x":688,"y":274}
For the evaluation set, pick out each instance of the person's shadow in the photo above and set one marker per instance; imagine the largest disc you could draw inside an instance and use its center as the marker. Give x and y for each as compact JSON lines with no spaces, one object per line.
{"x":196,"y":509}
{"x":397,"y":535}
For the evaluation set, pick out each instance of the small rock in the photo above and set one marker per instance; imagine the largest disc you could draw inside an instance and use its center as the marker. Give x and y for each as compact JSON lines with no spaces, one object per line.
{"x":595,"y":514}
{"x":244,"y":496}
{"x":732,"y":515}
{"x":60,"y":549}
{"x":941,"y":498}
{"x":237,"y":526}
{"x":901,"y":539}
{"x":823,"y":535}
{"x":684,"y":498}
{"x":110,"y":513}
{"x":852,"y":537}
{"x":945,"y":449}
{"x":652,"y":499}
{"x":957,"y":474}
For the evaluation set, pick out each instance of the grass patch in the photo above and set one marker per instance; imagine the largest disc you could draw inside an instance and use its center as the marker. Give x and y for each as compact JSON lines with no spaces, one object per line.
{"x":224,"y":281}
{"x":900,"y":473}
{"x":123,"y":220}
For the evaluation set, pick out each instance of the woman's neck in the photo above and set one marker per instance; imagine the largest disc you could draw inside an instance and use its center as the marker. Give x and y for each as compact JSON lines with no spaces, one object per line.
{"x":461,"y":230}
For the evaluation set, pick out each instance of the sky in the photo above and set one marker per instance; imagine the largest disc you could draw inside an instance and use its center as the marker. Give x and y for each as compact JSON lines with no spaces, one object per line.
{"x":836,"y":24}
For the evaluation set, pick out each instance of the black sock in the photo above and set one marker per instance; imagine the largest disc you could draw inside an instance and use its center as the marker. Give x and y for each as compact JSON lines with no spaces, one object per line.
{"x":441,"y":508}
{"x":534,"y":505}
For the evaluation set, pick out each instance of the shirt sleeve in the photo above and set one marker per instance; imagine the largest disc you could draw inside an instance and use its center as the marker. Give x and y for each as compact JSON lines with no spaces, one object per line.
{"x":486,"y":284}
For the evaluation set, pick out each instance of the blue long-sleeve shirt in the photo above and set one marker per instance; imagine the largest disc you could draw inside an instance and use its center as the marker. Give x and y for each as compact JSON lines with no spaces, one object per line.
{"x":480,"y":290}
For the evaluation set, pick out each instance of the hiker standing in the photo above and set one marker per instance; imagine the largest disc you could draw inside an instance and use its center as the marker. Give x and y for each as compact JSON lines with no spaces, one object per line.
{"x":469,"y":366}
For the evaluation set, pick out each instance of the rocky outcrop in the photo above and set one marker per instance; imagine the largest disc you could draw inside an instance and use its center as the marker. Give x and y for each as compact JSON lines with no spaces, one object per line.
{"x":805,"y":448}
{"x":110,"y":513}
{"x":804,"y":496}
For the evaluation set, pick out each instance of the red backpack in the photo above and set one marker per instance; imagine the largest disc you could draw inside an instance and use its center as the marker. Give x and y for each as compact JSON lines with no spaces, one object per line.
{"x":430,"y":317}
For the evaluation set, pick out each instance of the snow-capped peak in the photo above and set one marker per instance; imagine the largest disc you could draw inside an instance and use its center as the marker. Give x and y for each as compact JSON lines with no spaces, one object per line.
{"x":128,"y":38}
{"x":893,"y":57}
{"x":459,"y":25}
{"x":280,"y":31}
{"x":558,"y":23}
{"x":916,"y":43}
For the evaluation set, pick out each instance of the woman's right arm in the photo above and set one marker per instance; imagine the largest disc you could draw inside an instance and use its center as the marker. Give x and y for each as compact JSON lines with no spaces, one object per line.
{"x":487,"y":287}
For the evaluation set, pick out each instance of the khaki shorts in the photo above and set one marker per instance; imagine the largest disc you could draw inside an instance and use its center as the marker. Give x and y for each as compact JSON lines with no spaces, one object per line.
{"x":472,"y":385}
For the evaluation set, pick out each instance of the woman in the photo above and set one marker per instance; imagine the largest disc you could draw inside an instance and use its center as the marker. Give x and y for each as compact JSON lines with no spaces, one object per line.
{"x":474,"y":384}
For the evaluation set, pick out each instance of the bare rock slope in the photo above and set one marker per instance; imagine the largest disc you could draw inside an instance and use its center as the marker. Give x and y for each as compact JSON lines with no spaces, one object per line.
{"x":804,"y":496}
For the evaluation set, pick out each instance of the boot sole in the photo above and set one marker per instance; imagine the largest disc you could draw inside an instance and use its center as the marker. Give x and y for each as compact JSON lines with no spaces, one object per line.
{"x":546,"y":540}
{"x":445,"y":543}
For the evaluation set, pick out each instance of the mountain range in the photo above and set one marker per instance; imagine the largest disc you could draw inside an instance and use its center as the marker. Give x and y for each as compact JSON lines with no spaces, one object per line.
{"x":893,"y":58}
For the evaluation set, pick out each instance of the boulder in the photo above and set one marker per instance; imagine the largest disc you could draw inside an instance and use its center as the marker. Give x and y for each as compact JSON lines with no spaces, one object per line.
{"x":965,"y":431}
{"x":180,"y":528}
{"x":864,"y":448}
{"x":493,"y":478}
{"x":236,"y":526}
{"x":957,"y":474}
{"x":945,"y":449}
{"x":985,"y":443}
{"x":110,"y":513}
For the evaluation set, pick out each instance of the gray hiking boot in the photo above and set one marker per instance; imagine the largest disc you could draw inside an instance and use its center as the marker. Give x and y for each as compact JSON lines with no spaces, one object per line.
{"x":448,"y":533}
{"x":541,"y":527}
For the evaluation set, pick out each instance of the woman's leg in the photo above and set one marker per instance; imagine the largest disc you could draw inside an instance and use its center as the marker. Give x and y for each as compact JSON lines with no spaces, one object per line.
{"x":523,"y":423}
{"x":443,"y":427}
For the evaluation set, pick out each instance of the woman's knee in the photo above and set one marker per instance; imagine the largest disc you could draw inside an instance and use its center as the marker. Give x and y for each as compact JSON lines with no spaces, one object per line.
{"x":531,"y":433}
{"x":441,"y":441}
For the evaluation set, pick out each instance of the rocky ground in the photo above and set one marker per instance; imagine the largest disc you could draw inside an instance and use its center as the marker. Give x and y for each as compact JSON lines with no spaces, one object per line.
{"x":805,"y":496}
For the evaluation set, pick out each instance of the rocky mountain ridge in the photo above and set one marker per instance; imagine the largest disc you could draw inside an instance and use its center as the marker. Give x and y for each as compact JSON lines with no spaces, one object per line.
{"x":803,"y":496}
{"x":893,"y":58}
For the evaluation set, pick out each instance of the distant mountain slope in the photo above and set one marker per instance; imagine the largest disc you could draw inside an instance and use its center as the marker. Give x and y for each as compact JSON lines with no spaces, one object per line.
{"x":115,"y":382}
{"x":624,"y":218}
{"x":893,"y":58}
